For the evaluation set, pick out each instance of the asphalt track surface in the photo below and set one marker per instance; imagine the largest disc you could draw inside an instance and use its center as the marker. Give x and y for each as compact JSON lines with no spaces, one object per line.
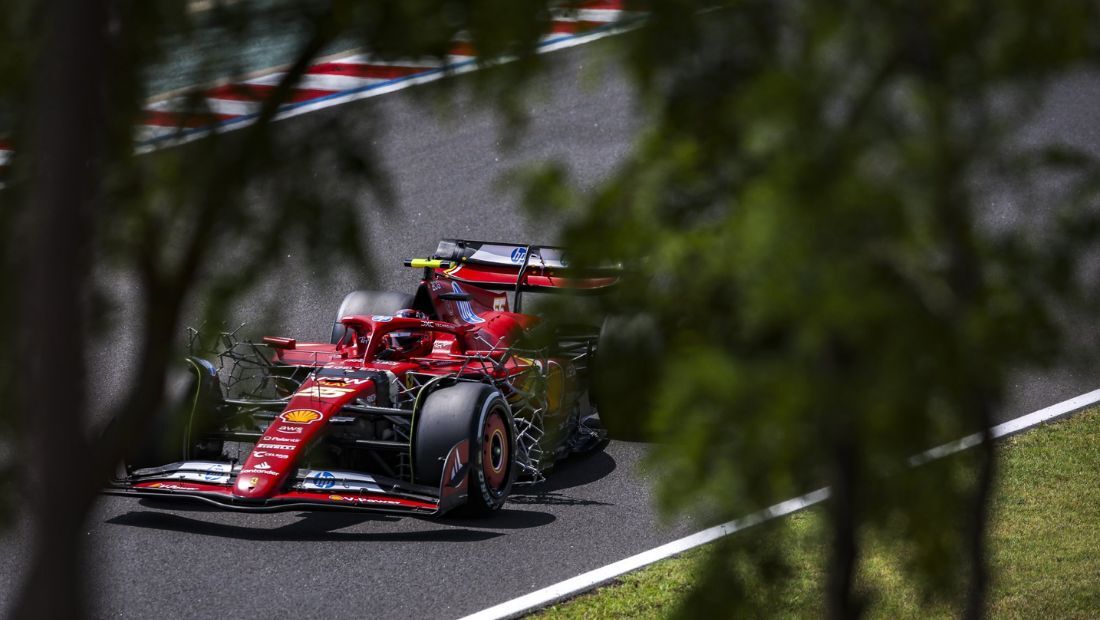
{"x":153,"y":561}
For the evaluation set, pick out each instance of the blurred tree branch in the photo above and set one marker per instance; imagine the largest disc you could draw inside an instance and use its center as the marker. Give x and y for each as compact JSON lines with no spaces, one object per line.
{"x":807,"y":218}
{"x":80,"y":203}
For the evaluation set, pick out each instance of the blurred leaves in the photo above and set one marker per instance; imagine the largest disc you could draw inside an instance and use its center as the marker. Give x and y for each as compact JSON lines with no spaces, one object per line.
{"x":185,"y":231}
{"x":807,"y":222}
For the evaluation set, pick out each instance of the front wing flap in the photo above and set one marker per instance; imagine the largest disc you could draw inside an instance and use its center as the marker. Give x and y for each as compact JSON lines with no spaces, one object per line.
{"x":212,"y":483}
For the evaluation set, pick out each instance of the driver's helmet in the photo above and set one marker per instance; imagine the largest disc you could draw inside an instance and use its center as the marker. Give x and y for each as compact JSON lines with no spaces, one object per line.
{"x":408,"y":343}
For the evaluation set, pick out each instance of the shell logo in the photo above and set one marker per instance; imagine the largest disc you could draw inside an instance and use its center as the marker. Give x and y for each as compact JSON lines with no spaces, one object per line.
{"x":300,"y":416}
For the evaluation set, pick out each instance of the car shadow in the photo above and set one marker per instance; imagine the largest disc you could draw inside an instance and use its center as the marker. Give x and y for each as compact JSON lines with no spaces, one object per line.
{"x":575,"y":471}
{"x":313,"y":526}
{"x":505,"y":519}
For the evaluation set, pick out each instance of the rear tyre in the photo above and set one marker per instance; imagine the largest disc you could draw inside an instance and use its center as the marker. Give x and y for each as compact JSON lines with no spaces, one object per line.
{"x":367,"y":303}
{"x":477,"y":412}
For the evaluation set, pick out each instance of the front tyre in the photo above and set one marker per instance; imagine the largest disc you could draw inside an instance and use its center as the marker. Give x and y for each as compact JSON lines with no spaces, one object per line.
{"x":478,"y":412}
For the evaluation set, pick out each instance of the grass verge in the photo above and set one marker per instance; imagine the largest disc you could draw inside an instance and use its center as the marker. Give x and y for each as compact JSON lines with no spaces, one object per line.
{"x":1044,"y":540}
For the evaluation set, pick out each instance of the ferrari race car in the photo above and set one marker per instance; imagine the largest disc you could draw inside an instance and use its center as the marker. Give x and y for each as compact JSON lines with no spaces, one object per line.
{"x":423,"y":403}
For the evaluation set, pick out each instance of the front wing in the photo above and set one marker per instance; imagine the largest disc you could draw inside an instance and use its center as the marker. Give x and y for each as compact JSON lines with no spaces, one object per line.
{"x":212,"y":482}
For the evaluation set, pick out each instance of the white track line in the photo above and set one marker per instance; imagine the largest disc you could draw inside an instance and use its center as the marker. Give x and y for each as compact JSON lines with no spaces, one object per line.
{"x":591,"y":579}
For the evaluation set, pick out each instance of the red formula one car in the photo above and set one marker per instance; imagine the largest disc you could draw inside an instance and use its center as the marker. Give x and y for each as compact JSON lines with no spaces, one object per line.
{"x":420,"y":403}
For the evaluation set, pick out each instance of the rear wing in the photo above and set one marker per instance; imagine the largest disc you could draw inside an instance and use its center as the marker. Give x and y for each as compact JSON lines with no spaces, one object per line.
{"x":519,"y":267}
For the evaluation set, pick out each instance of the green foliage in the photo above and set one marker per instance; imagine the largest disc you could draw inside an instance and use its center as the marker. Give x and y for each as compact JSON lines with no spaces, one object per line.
{"x":805,"y":221}
{"x":177,"y":219}
{"x":802,"y":218}
{"x":192,"y":227}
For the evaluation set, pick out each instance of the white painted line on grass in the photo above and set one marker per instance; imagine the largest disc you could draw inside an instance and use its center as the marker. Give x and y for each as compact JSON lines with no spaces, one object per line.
{"x":1012,"y":426}
{"x":591,"y":579}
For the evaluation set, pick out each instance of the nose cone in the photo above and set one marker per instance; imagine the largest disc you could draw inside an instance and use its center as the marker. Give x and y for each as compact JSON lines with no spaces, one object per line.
{"x":266,"y":470}
{"x":251,"y":484}
{"x":260,"y":478}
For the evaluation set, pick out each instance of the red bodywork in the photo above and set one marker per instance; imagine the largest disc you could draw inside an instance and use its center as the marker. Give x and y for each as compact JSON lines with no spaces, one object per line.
{"x":471,"y":334}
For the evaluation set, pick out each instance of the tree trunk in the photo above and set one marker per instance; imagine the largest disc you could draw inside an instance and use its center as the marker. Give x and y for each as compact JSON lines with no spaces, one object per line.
{"x":978,"y":586}
{"x":61,"y":152}
{"x":840,"y":598}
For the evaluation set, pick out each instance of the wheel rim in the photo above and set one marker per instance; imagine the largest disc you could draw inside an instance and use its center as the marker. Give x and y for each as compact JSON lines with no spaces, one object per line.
{"x":495,"y":451}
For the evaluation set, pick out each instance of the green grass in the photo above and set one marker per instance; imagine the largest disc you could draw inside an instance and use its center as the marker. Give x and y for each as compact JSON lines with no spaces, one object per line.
{"x":1044,"y":540}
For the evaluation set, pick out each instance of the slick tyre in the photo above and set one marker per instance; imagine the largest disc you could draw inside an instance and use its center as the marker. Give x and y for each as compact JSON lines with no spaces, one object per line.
{"x":367,"y":303}
{"x":477,"y":412}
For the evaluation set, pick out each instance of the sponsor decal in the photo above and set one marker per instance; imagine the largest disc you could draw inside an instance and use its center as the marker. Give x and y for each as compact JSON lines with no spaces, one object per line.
{"x":364,"y":500}
{"x":253,"y":481}
{"x":275,"y":446}
{"x":384,"y":363}
{"x":322,"y":479}
{"x":442,"y":345}
{"x":381,"y":318}
{"x":518,"y":255}
{"x":214,"y":472}
{"x":170,"y":487}
{"x":301,"y":416}
{"x":323,"y":392}
{"x":262,"y":472}
{"x":263,"y":455}
{"x":284,"y":439}
{"x":292,"y":430}
{"x":341,"y":381}
{"x":500,"y":303}
{"x":465,"y":311}
{"x":263,"y":465}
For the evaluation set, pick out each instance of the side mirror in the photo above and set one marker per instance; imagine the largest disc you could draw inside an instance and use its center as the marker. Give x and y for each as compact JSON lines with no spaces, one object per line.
{"x":278,"y":342}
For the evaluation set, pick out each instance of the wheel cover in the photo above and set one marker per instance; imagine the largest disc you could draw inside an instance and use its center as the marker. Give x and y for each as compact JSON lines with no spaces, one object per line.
{"x":495,"y":449}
